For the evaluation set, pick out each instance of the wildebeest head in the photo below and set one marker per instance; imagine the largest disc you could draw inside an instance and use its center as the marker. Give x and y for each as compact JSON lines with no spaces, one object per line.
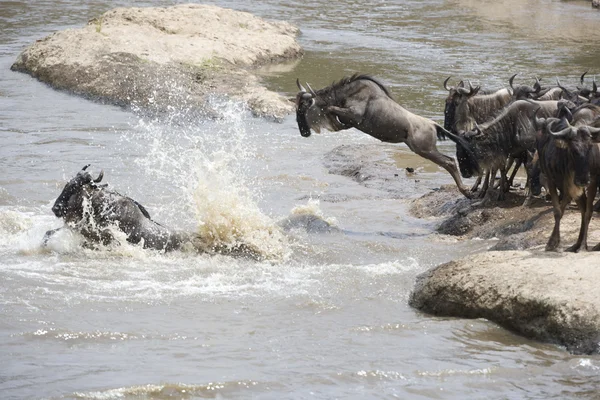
{"x":451,"y":102}
{"x":73,"y":188}
{"x":524,"y":92}
{"x":575,"y":141}
{"x":311,"y":114}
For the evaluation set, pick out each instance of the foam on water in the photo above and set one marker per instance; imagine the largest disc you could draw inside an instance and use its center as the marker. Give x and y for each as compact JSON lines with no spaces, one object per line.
{"x":205,"y":163}
{"x":177,"y":390}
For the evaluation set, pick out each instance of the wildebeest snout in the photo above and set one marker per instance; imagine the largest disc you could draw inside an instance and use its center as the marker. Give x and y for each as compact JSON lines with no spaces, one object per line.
{"x":59,"y":210}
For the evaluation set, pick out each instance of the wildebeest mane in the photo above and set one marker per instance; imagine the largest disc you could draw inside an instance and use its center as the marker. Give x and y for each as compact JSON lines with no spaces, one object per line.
{"x":349,"y":79}
{"x":476,"y":110}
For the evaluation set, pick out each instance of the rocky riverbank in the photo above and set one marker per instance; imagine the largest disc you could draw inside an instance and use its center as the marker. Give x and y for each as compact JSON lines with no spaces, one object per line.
{"x":552,"y":297}
{"x":167,"y":59}
{"x":547,"y":296}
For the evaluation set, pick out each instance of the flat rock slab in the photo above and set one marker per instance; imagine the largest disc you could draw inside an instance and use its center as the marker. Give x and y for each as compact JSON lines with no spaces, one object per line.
{"x":161,"y":59}
{"x":551,"y":297}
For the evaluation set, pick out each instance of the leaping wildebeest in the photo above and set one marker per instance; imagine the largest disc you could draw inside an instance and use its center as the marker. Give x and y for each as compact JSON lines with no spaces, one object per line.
{"x":364,"y":103}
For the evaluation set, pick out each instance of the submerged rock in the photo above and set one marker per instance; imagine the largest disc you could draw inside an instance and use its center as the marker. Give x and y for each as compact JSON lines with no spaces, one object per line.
{"x":161,"y":59}
{"x":545,"y":296}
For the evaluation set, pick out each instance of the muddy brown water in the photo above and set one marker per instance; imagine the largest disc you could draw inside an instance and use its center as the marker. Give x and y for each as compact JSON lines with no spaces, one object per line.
{"x":326,"y":316}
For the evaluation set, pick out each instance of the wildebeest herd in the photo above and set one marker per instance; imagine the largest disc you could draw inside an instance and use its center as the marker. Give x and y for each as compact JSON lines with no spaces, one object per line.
{"x":553,"y":131}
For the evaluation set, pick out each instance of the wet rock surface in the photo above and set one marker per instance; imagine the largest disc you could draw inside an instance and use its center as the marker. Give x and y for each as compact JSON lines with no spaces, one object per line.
{"x":545,"y":296}
{"x":516,"y":227}
{"x":162,"y":59}
{"x":370,"y":166}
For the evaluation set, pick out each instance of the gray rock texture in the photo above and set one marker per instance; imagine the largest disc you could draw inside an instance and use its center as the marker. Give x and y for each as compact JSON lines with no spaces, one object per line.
{"x":552,"y":297}
{"x":164,"y":59}
{"x":516,"y":227}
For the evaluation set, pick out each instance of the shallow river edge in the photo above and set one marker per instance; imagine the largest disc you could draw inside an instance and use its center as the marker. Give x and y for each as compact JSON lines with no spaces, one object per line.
{"x":546,"y":296}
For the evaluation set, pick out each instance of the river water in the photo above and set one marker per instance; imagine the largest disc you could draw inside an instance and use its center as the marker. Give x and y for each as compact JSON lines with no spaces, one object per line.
{"x":325,"y":314}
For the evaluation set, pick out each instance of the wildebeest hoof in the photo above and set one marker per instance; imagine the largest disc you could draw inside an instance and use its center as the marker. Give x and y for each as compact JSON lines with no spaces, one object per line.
{"x":552,"y":247}
{"x":575,"y":248}
{"x":596,"y":247}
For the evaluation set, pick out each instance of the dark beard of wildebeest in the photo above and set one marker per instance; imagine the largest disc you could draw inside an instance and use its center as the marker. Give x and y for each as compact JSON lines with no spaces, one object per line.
{"x":364,"y":103}
{"x":93,"y":210}
{"x":509,"y":134}
{"x":569,"y":156}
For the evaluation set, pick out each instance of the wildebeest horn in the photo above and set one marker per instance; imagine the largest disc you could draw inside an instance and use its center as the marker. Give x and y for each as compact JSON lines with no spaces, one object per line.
{"x":564,"y":89}
{"x":510,"y":80}
{"x":446,"y":83}
{"x":300,"y":85}
{"x":595,"y":133}
{"x":85,"y":167}
{"x":537,"y":122}
{"x":99,"y":178}
{"x":537,"y":85}
{"x":311,"y":90}
{"x":566,"y":133}
{"x":582,"y":75}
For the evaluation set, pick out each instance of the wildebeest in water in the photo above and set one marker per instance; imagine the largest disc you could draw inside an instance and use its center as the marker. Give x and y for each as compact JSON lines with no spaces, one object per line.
{"x":364,"y":103}
{"x":98,"y":213}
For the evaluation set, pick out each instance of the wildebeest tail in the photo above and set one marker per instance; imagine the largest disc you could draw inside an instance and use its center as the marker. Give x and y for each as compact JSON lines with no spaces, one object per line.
{"x":443,"y":134}
{"x":467,"y":155}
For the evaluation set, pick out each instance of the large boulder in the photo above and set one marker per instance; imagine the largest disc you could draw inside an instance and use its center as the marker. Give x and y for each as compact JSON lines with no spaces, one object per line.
{"x":551,"y":297}
{"x":165,"y":59}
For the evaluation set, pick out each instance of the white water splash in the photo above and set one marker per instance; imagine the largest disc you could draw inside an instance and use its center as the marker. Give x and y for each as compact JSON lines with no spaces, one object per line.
{"x":204,"y":164}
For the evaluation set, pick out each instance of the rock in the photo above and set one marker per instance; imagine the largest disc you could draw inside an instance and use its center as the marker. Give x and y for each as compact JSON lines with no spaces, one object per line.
{"x":544,"y":296}
{"x":517,"y":227}
{"x":166,"y":59}
{"x":371,"y":166}
{"x":309,"y":223}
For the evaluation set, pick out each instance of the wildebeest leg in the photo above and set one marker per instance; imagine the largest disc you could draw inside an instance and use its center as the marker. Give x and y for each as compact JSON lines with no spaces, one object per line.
{"x":477,"y":183}
{"x":586,"y":205}
{"x":582,"y":238}
{"x":517,"y":162}
{"x":352,"y":115}
{"x":501,"y":196}
{"x":559,"y":208}
{"x":48,"y":235}
{"x":597,"y":205}
{"x":445,"y":162}
{"x":486,"y":184}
